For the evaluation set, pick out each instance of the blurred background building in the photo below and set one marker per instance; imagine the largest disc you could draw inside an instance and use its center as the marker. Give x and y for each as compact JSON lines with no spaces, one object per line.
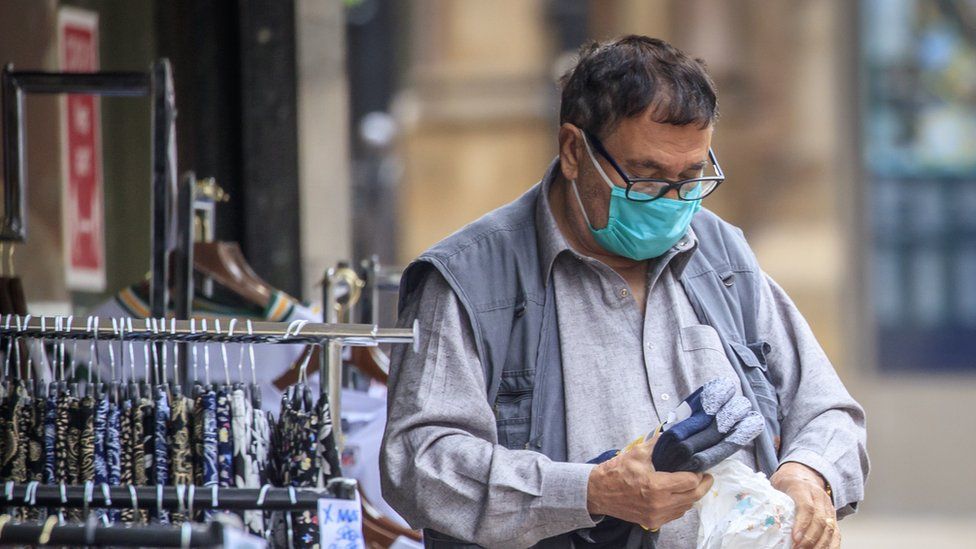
{"x":346,"y":129}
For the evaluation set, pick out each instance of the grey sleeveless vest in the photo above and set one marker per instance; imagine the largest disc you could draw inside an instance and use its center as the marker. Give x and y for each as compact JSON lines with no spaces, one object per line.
{"x":493,"y":266}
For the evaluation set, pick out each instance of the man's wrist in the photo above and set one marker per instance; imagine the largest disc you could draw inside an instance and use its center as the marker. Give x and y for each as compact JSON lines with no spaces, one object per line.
{"x":794,"y":470}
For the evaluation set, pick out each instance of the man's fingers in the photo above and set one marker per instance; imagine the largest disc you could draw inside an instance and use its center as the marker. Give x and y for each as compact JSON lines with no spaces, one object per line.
{"x":830,"y":523}
{"x":804,"y":514}
{"x":814,"y":532}
{"x":680,"y":482}
{"x":835,"y":541}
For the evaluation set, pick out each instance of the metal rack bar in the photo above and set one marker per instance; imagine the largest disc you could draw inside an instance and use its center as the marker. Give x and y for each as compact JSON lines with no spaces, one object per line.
{"x":148,"y":535}
{"x":173,"y":499}
{"x":363,"y":335}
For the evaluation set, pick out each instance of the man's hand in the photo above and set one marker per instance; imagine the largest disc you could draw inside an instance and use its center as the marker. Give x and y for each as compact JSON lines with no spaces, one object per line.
{"x":816,"y":518}
{"x":628,"y":487}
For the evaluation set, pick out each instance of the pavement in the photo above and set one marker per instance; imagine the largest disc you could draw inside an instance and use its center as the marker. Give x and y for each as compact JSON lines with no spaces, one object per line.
{"x":883,"y":531}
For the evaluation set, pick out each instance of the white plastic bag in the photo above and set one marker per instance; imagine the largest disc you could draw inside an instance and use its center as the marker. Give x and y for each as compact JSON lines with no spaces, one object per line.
{"x":743,"y":511}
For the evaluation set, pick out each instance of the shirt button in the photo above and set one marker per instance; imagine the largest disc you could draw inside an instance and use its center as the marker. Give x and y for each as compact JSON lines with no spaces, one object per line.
{"x":650,"y":346}
{"x":665,"y":397}
{"x":624,"y":292}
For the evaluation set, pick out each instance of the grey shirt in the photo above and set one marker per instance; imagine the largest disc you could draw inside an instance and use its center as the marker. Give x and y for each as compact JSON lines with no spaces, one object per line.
{"x":442,"y":467}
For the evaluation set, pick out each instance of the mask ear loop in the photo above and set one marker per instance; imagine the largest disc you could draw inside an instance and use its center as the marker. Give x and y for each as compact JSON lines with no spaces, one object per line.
{"x":89,"y":495}
{"x":185,"y":535}
{"x":262,"y":495}
{"x":193,"y":349}
{"x":240,"y":361}
{"x":155,"y":331}
{"x":223,"y":348}
{"x":181,"y":498}
{"x":132,"y":353}
{"x":134,"y":497}
{"x":176,"y":350}
{"x":29,"y":374}
{"x":159,"y":500}
{"x":111,"y":352}
{"x":151,"y":344}
{"x":250,"y":352}
{"x":206,"y":355}
{"x":106,"y":495}
{"x":95,"y":320}
{"x":223,"y":352}
{"x":17,"y":347}
{"x":145,"y":352}
{"x":10,"y":348}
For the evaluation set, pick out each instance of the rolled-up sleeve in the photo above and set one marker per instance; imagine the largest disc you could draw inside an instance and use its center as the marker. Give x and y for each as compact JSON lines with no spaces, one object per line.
{"x":823,"y":427}
{"x":441,"y":466}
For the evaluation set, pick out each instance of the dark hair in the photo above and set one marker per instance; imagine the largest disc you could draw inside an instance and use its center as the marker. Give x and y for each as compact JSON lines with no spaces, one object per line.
{"x":621,"y":78}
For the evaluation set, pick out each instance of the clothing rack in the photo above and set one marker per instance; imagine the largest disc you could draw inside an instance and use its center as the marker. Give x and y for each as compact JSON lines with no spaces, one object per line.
{"x":189,"y":331}
{"x":78,"y":535}
{"x":174,"y":498}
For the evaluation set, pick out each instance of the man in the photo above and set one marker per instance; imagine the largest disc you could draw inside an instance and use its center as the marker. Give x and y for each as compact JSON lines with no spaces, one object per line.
{"x":574,"y":319}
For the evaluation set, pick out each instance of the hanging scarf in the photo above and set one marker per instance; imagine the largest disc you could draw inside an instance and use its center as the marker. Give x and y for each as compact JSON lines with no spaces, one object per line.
{"x":225,"y":443}
{"x":11,"y":467}
{"x":161,"y":444}
{"x":72,"y":449}
{"x":86,"y":457}
{"x":326,"y":453}
{"x":101,"y":425}
{"x":113,"y":451}
{"x":127,"y":450}
{"x":197,"y":439}
{"x":181,"y":455}
{"x":241,"y":430}
{"x":260,"y":442}
{"x":51,"y":410}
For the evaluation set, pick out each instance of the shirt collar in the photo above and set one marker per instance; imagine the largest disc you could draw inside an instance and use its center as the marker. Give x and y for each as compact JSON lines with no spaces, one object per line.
{"x":552,"y":243}
{"x":551,"y":239}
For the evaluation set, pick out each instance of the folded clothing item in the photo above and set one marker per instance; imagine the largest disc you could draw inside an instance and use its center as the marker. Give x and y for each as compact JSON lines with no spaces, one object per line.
{"x":692,"y":416}
{"x":744,"y":432}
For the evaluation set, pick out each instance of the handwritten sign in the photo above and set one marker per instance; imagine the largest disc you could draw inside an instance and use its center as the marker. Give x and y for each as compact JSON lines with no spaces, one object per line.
{"x":341,"y":523}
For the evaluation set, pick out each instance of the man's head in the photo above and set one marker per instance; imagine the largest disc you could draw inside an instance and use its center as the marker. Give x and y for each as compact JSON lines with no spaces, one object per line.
{"x":641,"y":104}
{"x":622,"y":78}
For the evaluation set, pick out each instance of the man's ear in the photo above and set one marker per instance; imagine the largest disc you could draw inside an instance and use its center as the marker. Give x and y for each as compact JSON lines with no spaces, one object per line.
{"x":570,"y":150}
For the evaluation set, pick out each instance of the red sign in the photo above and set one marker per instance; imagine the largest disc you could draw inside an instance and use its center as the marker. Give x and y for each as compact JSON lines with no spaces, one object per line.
{"x":83,"y":217}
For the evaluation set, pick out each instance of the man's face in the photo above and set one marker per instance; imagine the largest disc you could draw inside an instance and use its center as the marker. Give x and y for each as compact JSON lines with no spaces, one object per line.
{"x":643,"y":148}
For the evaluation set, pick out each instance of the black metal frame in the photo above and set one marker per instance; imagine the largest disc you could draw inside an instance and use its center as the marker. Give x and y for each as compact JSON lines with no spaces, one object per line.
{"x":157,"y":85}
{"x":174,"y":498}
{"x":99,"y":535}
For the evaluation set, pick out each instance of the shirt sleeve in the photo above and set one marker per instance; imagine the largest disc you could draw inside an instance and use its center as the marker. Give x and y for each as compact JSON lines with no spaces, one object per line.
{"x":823,"y":427}
{"x":441,"y":466}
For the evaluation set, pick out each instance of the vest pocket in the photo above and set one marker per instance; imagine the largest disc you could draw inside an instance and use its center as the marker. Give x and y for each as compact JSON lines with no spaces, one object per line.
{"x":513,"y":418}
{"x":766,"y":397}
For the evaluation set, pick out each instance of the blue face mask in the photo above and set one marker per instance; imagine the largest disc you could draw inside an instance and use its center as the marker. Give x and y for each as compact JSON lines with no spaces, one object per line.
{"x":639,"y":230}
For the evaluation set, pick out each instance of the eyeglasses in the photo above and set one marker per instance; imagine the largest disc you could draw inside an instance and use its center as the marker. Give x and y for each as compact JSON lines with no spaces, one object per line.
{"x":645,"y":189}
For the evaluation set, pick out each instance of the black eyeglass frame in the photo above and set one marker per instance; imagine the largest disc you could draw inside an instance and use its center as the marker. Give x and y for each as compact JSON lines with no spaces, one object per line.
{"x":668,"y":184}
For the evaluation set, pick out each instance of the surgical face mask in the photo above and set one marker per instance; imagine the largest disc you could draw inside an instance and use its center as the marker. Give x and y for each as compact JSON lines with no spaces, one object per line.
{"x":639,"y":230}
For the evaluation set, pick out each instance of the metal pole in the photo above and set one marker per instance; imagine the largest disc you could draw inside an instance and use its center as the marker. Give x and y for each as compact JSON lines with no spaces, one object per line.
{"x":183,"y":289}
{"x":163,"y":183}
{"x":149,"y":535}
{"x":14,"y":210}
